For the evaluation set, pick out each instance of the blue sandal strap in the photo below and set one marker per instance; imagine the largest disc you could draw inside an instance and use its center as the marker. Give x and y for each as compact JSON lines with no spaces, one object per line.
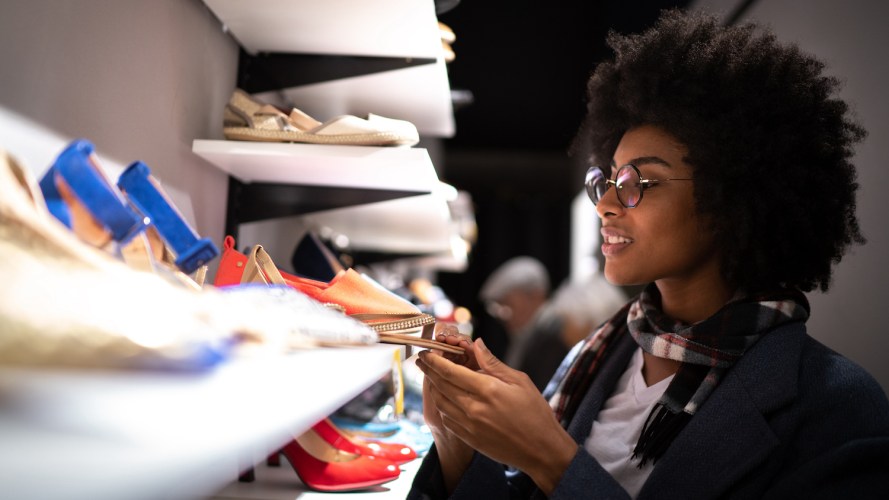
{"x":147,"y":196}
{"x":75,"y":166}
{"x":53,"y":198}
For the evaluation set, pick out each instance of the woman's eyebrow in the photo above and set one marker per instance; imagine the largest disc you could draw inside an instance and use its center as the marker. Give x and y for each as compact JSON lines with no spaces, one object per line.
{"x":645,"y":160}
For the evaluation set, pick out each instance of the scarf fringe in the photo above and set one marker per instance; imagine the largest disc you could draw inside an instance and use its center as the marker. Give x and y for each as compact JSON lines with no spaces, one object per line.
{"x":661,"y":427}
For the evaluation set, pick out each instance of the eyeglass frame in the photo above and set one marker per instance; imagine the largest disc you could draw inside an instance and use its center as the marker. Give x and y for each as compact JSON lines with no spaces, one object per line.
{"x":643,"y":184}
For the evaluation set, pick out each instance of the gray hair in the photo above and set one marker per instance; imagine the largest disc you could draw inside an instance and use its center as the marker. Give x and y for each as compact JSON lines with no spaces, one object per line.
{"x":519,"y":273}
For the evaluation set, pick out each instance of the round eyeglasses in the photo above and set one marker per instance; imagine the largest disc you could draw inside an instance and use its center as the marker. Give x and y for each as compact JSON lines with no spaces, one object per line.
{"x":628,"y":182}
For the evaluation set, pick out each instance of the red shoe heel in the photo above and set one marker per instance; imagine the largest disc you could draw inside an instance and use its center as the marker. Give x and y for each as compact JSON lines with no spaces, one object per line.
{"x":340,"y":439}
{"x":248,"y":476}
{"x":322,"y":467}
{"x":274,"y":459}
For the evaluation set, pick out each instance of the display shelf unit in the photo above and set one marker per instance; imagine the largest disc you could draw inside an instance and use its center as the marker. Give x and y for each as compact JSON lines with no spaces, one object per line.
{"x":90,"y":434}
{"x":344,"y":57}
{"x":329,"y":59}
{"x":419,"y":94}
{"x":383,"y":198}
{"x":393,"y":28}
{"x":381,"y":168}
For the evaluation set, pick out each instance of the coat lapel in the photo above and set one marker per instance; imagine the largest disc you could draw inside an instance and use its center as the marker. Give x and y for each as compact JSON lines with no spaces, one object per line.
{"x":729,"y":435}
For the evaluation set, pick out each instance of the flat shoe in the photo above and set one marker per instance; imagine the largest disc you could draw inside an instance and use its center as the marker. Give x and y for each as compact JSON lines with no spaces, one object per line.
{"x":248,"y":119}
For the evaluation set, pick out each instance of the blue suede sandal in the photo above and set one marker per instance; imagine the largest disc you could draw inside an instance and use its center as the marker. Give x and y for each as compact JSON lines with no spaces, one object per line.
{"x":148,"y":197}
{"x":77,"y":167}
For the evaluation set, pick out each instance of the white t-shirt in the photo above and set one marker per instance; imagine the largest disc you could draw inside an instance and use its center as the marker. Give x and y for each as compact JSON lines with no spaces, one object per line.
{"x":619,"y":424}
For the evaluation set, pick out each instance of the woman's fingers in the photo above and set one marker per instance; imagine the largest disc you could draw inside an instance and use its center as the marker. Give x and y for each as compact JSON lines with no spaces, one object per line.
{"x":448,"y":334}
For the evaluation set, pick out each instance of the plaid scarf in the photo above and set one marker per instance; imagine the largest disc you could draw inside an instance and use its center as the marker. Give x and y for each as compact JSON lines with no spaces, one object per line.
{"x":706,"y":350}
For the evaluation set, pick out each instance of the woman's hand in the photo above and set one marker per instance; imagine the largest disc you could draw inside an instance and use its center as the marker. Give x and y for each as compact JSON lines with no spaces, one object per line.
{"x":498,"y":411}
{"x":454,"y":455}
{"x":447,"y":334}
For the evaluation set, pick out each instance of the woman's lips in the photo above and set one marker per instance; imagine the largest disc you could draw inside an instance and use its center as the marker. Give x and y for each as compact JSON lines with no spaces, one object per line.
{"x":614,"y":241}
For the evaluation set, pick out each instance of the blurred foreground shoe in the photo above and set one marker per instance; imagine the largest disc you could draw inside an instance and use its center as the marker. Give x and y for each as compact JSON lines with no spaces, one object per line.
{"x":66,"y":303}
{"x":133,"y":227}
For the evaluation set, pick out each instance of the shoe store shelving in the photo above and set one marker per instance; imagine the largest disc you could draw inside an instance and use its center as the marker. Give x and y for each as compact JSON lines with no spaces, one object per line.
{"x":387,"y":56}
{"x":398,"y":169}
{"x":383,"y":198}
{"x":394,"y":28}
{"x":328,"y":59}
{"x":84,"y":434}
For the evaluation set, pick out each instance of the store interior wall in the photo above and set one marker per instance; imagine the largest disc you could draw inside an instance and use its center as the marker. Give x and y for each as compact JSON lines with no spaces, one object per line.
{"x":142,"y":80}
{"x":849,"y":37}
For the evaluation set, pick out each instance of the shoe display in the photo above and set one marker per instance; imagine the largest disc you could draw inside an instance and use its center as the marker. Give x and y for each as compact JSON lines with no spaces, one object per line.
{"x":340,"y":439}
{"x":99,"y":312}
{"x":323,"y":467}
{"x":144,"y":191}
{"x":447,"y":39}
{"x":80,"y":196}
{"x":139,"y":225}
{"x":396,"y":452}
{"x":313,"y":259}
{"x":416,"y":436}
{"x":247,"y":119}
{"x":135,"y":338}
{"x":102,"y":313}
{"x":395,"y":320}
{"x":370,"y":429}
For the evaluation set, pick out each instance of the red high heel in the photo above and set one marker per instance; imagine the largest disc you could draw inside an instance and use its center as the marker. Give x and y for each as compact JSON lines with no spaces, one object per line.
{"x":340,"y":439}
{"x":322,"y":467}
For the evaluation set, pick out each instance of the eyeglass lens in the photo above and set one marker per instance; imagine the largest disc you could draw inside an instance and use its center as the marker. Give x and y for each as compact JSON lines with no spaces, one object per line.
{"x":595,"y":184}
{"x":629,"y":191}
{"x":627,"y":183}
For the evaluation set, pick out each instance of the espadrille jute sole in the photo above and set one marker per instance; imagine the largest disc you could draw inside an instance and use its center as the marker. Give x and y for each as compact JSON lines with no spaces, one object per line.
{"x":252,"y":134}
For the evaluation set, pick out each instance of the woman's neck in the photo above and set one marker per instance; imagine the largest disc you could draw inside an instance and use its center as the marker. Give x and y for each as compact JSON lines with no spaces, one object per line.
{"x":692,"y":301}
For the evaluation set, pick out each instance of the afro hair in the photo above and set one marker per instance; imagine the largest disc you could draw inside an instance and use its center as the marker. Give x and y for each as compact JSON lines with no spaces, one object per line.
{"x":769,"y":142}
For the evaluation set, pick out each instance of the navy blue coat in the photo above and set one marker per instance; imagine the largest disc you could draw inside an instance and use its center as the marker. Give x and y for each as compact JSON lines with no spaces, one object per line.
{"x":791,"y":419}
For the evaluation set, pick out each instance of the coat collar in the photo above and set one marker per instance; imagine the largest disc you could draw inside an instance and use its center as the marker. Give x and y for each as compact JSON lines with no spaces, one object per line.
{"x":729,"y":435}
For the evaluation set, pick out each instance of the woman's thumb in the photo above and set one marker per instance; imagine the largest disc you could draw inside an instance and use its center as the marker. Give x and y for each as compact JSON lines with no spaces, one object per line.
{"x":486,"y":359}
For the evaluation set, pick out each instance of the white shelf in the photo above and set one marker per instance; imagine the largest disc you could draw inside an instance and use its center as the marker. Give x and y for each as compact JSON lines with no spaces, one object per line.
{"x":404,"y":29}
{"x":387,"y":28}
{"x":80,"y":434}
{"x":418,"y":94}
{"x":394,"y":168}
{"x":418,"y":224}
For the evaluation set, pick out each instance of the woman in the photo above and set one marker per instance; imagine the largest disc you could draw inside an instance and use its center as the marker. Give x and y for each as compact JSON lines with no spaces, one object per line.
{"x":725,"y":184}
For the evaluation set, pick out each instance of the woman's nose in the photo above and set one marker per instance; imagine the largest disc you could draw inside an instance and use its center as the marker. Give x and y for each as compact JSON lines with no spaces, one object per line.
{"x":609,"y":205}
